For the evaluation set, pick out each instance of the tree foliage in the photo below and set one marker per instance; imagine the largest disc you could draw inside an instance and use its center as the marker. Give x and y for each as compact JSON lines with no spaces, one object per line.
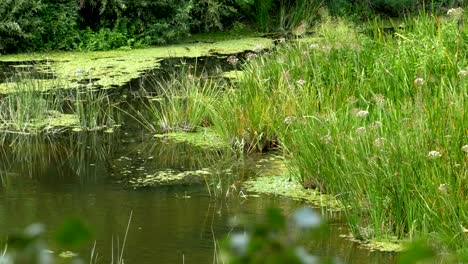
{"x":32,"y":25}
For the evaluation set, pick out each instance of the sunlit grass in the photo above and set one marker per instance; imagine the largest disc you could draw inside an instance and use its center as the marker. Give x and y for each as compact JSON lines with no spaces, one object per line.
{"x":32,"y":108}
{"x":381,"y":123}
{"x":180,"y":102}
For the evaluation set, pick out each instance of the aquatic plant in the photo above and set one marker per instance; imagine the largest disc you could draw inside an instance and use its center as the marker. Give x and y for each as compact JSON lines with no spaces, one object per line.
{"x":179,"y":102}
{"x":29,"y":108}
{"x":94,"y":109}
{"x":405,"y":176}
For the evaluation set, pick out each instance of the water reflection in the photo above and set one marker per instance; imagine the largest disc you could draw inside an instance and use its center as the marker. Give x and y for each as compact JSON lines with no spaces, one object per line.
{"x":47,"y":179}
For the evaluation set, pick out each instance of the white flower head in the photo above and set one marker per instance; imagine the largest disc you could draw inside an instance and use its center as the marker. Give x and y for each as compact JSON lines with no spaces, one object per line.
{"x":326,"y":139}
{"x":419,"y":81}
{"x":376,"y":125}
{"x":301,"y":82}
{"x":233,"y":60}
{"x":362,"y":113}
{"x":289,"y":119}
{"x":258,"y":48}
{"x":314,"y":46}
{"x":465,"y":149}
{"x":250,"y":55}
{"x":361,"y":130}
{"x":326,"y":48}
{"x":434,"y":154}
{"x":379,"y":142}
{"x":463,"y":73}
{"x":455,"y":12}
{"x":379,"y":99}
{"x":443,"y":188}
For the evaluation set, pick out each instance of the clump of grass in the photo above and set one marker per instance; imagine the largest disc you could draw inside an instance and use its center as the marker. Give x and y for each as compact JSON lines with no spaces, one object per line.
{"x":391,"y":147}
{"x":94,"y":109}
{"x":32,"y":106}
{"x":180,"y":102}
{"x":382,"y":126}
{"x":26,"y":109}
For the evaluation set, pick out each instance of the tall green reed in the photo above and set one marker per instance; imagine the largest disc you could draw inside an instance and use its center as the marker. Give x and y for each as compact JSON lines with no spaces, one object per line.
{"x":378,"y":122}
{"x":387,"y":137}
{"x":94,"y":109}
{"x":179,"y":102}
{"x":28,"y":107}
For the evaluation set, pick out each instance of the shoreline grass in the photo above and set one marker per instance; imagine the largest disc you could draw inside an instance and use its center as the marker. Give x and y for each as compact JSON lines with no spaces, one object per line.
{"x":376,"y":120}
{"x":379,"y":121}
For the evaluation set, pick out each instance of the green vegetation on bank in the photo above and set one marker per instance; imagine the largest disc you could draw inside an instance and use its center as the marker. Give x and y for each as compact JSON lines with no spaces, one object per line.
{"x":89,"y":25}
{"x":375,"y":119}
{"x":378,"y":121}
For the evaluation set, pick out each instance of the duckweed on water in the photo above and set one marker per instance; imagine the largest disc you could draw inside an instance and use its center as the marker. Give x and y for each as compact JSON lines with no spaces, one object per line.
{"x":204,"y":138}
{"x":274,"y":179}
{"x":118,"y":67}
{"x":233,"y":75}
{"x":170,"y":178}
{"x":52,"y":121}
{"x":287,"y":187}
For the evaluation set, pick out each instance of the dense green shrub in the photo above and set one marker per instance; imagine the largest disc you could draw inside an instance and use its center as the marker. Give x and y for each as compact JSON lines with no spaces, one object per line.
{"x":19,"y":24}
{"x":31,"y":25}
{"x":59,"y":20}
{"x":364,"y":9}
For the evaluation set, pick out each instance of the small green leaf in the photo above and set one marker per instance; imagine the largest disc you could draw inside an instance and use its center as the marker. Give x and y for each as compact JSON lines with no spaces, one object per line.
{"x":416,"y":252}
{"x":73,"y":233}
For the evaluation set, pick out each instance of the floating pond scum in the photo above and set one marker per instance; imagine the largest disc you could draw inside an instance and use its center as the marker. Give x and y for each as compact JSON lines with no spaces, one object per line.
{"x":116,"y":68}
{"x":100,"y":162}
{"x":102,"y":176}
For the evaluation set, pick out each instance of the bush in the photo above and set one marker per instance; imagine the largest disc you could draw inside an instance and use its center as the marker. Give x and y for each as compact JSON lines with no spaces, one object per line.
{"x":19,"y":24}
{"x":364,"y":9}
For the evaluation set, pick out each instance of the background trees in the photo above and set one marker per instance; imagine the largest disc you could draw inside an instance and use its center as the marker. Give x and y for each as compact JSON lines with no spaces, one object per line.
{"x":31,"y":25}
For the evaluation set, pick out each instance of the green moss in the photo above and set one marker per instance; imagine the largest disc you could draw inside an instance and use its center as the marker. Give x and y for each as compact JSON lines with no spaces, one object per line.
{"x":204,"y":137}
{"x":115,"y":68}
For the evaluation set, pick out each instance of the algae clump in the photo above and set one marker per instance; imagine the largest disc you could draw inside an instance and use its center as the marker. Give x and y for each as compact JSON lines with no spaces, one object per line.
{"x":204,"y":138}
{"x":170,"y":178}
{"x":273,"y":179}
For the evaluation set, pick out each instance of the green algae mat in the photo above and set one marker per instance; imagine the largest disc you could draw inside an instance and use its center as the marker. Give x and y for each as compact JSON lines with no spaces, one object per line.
{"x":274,"y":178}
{"x":115,"y":68}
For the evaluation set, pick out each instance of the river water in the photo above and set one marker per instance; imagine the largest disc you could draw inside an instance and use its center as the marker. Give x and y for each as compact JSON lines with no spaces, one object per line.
{"x":47,"y":179}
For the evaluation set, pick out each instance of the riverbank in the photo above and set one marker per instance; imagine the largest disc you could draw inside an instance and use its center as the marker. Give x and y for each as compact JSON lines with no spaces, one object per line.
{"x":371,"y":119}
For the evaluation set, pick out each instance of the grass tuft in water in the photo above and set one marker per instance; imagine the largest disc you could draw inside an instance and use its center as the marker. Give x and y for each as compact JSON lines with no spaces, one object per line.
{"x":180,"y":102}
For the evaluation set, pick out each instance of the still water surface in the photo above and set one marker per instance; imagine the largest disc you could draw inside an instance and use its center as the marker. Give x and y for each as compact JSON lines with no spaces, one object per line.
{"x":86,"y":175}
{"x":48,"y":180}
